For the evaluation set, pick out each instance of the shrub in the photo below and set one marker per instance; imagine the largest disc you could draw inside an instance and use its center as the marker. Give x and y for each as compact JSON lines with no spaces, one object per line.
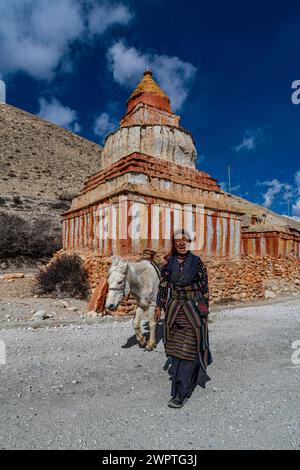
{"x":61,"y":205}
{"x":34,"y":238}
{"x":66,"y":196}
{"x":65,"y":275}
{"x":17,"y":200}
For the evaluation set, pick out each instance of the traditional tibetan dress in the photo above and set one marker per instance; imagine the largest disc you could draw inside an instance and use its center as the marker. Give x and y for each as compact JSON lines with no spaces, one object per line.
{"x":183,"y":294}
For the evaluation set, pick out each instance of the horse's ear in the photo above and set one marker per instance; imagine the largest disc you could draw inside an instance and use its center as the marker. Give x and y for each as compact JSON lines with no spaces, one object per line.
{"x":115,"y":261}
{"x":123,"y":265}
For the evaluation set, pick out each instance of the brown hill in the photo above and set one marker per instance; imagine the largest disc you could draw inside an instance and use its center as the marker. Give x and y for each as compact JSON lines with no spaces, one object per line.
{"x":42,"y":166}
{"x":259,"y":218}
{"x":38,"y":158}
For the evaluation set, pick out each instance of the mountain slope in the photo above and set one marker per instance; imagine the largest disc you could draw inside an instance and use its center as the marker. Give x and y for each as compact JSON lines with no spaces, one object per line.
{"x":38,"y":158}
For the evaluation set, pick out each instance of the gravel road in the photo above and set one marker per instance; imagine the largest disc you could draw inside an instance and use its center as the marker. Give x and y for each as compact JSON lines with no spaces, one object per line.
{"x":91,"y":387}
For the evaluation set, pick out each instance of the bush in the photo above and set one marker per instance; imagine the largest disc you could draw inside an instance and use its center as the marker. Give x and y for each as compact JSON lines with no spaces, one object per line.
{"x":34,"y":238}
{"x":17,"y":199}
{"x":65,"y":275}
{"x":61,"y":205}
{"x":65,"y":196}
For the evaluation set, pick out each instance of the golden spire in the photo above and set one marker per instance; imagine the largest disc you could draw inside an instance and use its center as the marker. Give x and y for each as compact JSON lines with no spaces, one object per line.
{"x":147,"y":85}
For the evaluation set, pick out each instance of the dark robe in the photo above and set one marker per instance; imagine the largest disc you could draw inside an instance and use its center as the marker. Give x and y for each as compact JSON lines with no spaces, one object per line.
{"x":183,"y":294}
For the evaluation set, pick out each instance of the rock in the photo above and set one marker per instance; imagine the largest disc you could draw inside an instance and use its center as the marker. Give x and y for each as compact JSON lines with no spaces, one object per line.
{"x":3,"y":265}
{"x":40,"y":315}
{"x":275,"y":288}
{"x":92,"y":314}
{"x":97,"y":301}
{"x":9,"y":276}
{"x":270,"y":295}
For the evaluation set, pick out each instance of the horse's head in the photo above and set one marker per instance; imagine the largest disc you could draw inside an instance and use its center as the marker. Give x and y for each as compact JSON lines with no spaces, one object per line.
{"x":118,"y":286}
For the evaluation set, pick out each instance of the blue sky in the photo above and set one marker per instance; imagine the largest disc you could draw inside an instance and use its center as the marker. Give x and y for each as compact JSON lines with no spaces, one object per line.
{"x":228,"y":68}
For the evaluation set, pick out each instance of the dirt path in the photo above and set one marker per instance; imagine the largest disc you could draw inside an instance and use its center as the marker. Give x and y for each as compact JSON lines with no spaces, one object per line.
{"x":78,"y":387}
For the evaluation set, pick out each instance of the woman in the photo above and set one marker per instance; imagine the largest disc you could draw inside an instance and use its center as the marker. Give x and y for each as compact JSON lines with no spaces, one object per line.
{"x":183,"y":295}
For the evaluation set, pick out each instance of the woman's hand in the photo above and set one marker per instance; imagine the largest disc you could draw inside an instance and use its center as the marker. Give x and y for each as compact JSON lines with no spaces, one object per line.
{"x":157,"y":314}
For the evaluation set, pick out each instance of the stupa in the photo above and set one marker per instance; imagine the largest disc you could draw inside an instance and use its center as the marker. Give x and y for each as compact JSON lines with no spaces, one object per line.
{"x":148,"y":186}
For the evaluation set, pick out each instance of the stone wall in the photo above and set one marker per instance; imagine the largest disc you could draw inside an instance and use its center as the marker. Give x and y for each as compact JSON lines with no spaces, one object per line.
{"x":253,"y":278}
{"x":229,"y":281}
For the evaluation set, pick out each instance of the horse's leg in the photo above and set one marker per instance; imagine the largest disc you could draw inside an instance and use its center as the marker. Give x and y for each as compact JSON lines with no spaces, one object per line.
{"x":152,"y":327}
{"x":137,"y":327}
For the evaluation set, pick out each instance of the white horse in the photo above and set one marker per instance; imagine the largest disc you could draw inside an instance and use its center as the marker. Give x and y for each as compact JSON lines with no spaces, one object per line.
{"x":141,"y":280}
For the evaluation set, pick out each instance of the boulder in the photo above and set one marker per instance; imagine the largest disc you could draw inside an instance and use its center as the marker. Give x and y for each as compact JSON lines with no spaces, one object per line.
{"x":97,"y":301}
{"x":92,"y":314}
{"x":40,"y":315}
{"x":270,"y":295}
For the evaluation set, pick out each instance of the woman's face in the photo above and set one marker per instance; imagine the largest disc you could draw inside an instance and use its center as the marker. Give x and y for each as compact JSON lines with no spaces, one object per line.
{"x":181,"y":245}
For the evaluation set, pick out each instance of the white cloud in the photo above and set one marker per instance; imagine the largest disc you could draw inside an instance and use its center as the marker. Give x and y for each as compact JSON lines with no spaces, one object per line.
{"x":296,"y":208}
{"x":275,"y":187}
{"x":59,"y":114}
{"x":289,"y":194}
{"x":35,"y":35}
{"x":201,"y":158}
{"x":127,"y":64}
{"x":297,"y":180}
{"x":101,"y":17}
{"x":233,"y":189}
{"x":248,"y":143}
{"x":104,"y":125}
{"x":296,"y":205}
{"x":236,"y":188}
{"x":2,"y":91}
{"x":174,"y":76}
{"x":250,"y":139}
